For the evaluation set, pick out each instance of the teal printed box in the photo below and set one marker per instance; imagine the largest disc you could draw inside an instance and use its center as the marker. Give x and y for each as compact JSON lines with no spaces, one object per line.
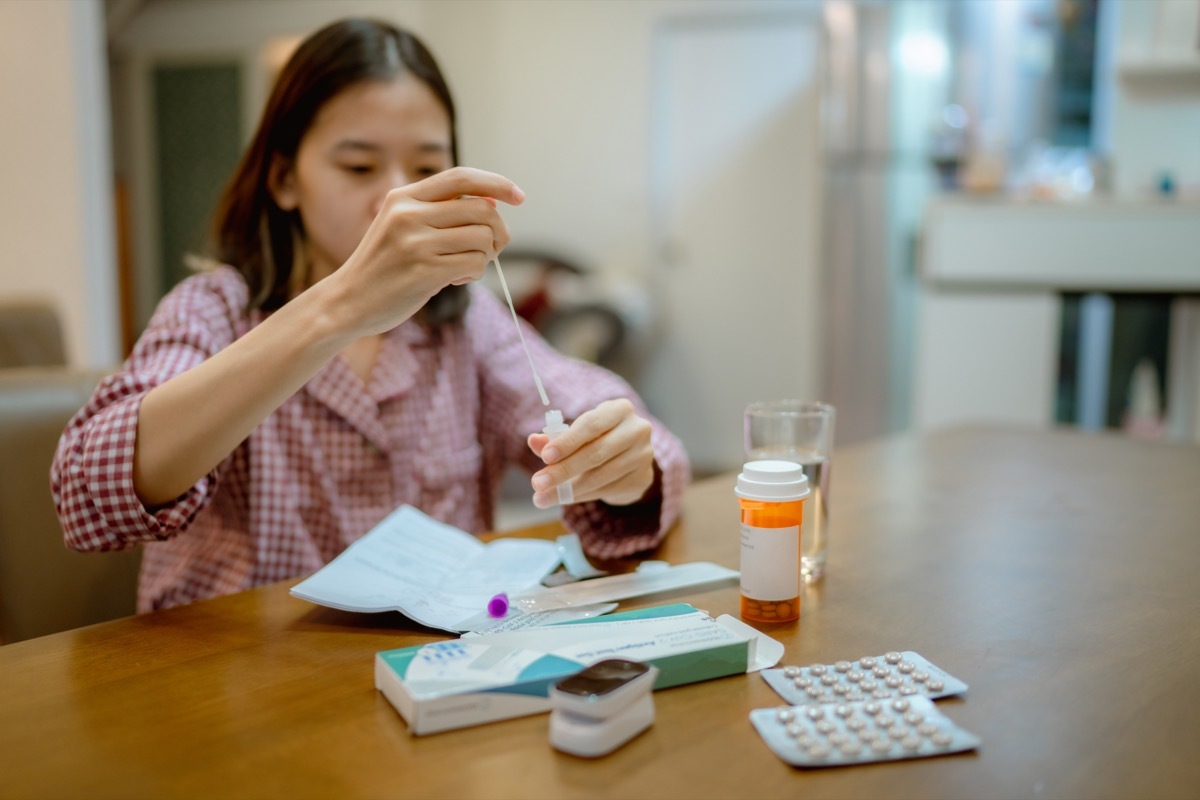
{"x":473,"y":680}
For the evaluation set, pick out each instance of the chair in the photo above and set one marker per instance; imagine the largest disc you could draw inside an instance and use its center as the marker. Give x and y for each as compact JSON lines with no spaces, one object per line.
{"x":30,"y":335}
{"x":44,"y":587}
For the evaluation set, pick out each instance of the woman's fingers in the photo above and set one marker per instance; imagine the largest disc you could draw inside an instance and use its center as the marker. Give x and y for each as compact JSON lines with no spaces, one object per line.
{"x":606,"y":454}
{"x":590,"y":426}
{"x":620,"y":481}
{"x":454,"y":239}
{"x":458,"y":181}
{"x":617,"y":484}
{"x":445,"y":227}
{"x":449,"y":214}
{"x":462,"y":268}
{"x":439,"y":231}
{"x":629,"y":488}
{"x":404,"y":216}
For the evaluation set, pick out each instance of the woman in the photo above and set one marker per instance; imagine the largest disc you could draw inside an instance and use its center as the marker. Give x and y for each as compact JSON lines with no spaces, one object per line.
{"x":334,"y":363}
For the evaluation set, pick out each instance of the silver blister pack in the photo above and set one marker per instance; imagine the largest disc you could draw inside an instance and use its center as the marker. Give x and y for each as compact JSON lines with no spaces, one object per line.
{"x":893,"y":674}
{"x":860,"y":732}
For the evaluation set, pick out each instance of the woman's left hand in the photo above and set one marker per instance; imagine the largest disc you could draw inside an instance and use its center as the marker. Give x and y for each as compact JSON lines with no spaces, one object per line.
{"x":606,"y":454}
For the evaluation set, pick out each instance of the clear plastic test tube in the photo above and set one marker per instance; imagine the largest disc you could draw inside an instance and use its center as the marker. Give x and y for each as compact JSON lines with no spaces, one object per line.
{"x":555,"y":426}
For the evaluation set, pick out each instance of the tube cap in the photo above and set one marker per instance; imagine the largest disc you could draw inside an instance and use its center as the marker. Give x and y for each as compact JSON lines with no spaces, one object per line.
{"x":554,"y":422}
{"x":772,"y":481}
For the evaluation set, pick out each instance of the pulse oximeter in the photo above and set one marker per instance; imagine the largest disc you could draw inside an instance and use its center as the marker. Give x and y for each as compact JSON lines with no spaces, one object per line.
{"x":595,"y":711}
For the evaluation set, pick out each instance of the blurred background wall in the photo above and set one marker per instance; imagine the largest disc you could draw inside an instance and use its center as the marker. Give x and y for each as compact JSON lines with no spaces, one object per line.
{"x":56,"y":209}
{"x":748,"y":183}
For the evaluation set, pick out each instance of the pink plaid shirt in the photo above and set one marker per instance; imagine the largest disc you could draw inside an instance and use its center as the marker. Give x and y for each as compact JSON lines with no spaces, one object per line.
{"x":444,"y":414}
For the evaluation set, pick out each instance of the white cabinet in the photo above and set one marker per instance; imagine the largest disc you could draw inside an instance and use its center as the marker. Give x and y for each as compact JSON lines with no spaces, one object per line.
{"x":1087,"y":246}
{"x":989,"y":310}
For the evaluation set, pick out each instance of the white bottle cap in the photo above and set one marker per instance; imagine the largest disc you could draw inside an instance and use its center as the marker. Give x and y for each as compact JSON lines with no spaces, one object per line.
{"x":772,"y":481}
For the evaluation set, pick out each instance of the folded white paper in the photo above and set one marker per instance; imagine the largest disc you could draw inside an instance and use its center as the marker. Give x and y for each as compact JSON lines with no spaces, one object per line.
{"x":434,"y":573}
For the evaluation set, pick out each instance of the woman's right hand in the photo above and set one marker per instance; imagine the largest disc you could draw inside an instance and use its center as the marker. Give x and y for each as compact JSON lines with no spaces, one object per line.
{"x":426,"y":235}
{"x":436,"y":232}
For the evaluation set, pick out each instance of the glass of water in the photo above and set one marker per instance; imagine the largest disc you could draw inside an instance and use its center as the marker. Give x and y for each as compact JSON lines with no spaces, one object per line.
{"x":799,"y":431}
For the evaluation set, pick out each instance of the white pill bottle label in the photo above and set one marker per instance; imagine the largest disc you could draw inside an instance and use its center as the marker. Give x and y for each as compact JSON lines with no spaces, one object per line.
{"x":770,"y":562}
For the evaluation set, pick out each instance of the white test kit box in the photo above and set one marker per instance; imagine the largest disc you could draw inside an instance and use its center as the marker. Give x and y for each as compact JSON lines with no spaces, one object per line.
{"x":485,"y":678}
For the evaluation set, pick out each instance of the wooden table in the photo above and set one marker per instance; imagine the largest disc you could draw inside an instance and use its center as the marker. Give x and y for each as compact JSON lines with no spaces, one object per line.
{"x":1054,"y":572}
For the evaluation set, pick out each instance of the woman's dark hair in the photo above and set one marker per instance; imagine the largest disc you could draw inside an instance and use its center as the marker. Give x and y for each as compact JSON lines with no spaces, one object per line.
{"x":255,"y":235}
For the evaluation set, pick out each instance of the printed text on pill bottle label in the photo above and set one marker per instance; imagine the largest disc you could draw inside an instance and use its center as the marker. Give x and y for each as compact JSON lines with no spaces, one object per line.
{"x":770,"y":562}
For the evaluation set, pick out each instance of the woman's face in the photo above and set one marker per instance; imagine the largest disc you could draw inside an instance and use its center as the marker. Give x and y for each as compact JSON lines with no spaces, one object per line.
{"x":372,"y":137}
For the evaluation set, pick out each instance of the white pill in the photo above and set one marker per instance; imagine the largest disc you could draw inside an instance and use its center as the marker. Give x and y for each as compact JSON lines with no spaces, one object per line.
{"x":819,"y":751}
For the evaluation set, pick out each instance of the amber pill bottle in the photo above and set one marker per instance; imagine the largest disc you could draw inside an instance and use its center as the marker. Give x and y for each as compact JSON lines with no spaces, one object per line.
{"x":771,"y":495}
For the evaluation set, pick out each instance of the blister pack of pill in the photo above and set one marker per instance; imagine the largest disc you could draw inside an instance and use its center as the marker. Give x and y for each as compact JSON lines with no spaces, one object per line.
{"x":860,"y":732}
{"x":894,"y":674}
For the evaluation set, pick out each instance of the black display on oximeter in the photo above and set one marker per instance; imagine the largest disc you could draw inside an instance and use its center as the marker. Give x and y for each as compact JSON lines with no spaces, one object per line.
{"x":602,"y":678}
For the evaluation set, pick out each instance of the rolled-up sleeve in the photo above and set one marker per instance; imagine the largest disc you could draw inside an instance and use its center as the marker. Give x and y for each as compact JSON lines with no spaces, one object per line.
{"x":91,"y":477}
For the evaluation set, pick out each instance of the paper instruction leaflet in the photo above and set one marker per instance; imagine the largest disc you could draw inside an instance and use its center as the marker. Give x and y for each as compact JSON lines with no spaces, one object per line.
{"x":434,"y":573}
